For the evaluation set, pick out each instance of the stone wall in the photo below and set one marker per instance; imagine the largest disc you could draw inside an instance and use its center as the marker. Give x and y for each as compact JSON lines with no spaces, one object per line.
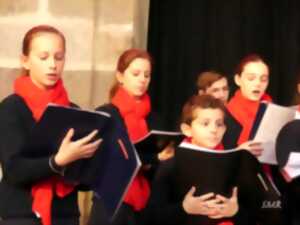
{"x":97,"y":31}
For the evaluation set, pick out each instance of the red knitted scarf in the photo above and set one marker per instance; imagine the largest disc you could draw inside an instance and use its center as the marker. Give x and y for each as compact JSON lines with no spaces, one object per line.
{"x":134,"y":113}
{"x":37,"y":99}
{"x":244,"y":111}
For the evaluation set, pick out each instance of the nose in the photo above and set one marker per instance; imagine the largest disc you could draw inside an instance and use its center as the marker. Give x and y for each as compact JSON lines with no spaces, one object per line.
{"x":143,"y":78}
{"x":213,"y":128}
{"x":52,"y":63}
{"x":258,"y":82}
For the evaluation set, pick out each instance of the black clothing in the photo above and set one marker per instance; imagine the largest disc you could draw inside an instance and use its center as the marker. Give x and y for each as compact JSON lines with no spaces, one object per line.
{"x":22,"y":168}
{"x":232,"y":133}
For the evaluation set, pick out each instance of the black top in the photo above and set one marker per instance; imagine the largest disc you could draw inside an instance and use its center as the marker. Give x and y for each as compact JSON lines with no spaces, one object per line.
{"x":21,"y":168}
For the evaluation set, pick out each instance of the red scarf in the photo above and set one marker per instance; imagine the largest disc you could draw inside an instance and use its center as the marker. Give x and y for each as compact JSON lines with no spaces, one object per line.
{"x":37,"y":99}
{"x":134,"y":113}
{"x":244,"y":111}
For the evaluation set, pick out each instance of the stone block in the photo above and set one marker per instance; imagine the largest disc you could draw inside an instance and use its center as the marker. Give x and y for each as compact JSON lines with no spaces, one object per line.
{"x":114,"y":11}
{"x":15,"y":7}
{"x":78,"y":85}
{"x":71,"y":8}
{"x":109,"y":45}
{"x":102,"y":82}
{"x":7,"y":77}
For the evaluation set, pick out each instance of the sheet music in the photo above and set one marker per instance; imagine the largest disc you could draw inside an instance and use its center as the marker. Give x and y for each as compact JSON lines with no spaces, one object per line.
{"x":292,"y":168}
{"x":274,"y":118}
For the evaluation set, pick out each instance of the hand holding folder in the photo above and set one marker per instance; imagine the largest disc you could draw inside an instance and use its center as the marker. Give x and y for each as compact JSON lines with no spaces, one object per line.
{"x":113,"y":166}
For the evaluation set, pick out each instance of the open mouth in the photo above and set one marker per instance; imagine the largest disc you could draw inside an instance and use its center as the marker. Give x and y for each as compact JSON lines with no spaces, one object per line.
{"x":256,"y":92}
{"x":52,"y":76}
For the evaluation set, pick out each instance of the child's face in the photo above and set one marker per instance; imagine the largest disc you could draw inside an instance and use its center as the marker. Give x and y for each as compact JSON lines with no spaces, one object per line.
{"x":46,"y":59}
{"x":219,"y":89}
{"x":253,"y":81}
{"x":207,"y":128}
{"x":136,"y":78}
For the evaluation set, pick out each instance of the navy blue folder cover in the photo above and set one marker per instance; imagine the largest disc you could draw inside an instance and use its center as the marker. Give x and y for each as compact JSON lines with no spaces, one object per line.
{"x":259,"y":115}
{"x":109,"y":172}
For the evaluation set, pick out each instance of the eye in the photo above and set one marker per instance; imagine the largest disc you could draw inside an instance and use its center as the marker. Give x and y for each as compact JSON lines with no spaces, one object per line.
{"x":251,"y":77}
{"x":43,"y":56}
{"x":220,"y":124}
{"x":59,"y":56}
{"x":264,"y":78}
{"x":135,"y":73}
{"x":225,"y":88}
{"x":147,"y":75}
{"x":214,"y":90}
{"x":204,"y":123}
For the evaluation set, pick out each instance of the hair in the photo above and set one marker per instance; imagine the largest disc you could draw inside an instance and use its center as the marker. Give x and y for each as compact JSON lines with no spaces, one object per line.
{"x":248,"y":59}
{"x":296,"y":97}
{"x":200,"y":101}
{"x":207,"y":78}
{"x":124,"y":61}
{"x":37,"y":30}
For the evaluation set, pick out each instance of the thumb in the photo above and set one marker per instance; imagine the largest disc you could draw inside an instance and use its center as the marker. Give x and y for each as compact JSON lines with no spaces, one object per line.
{"x":191,"y":192}
{"x":235,"y":192}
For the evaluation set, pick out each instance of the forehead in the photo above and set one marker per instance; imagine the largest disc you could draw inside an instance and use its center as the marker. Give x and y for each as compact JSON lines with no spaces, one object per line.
{"x":219,"y":83}
{"x":140,"y":63}
{"x":256,"y":68}
{"x":208,"y":113}
{"x":46,"y":40}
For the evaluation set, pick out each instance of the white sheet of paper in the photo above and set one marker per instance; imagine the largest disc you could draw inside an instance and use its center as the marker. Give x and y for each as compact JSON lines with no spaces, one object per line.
{"x":274,"y":118}
{"x":292,"y":167}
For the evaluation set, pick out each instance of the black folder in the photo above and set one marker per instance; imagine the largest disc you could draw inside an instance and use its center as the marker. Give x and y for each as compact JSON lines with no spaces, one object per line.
{"x":109,"y":172}
{"x":157,"y":140}
{"x":219,"y":172}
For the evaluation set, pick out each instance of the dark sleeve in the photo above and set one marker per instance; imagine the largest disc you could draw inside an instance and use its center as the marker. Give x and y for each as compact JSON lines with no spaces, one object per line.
{"x":164,"y":207}
{"x":154,"y":122}
{"x":18,"y":167}
{"x":232,"y":133}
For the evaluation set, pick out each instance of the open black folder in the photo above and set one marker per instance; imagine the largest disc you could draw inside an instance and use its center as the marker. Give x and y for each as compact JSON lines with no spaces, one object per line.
{"x":157,"y":140}
{"x":219,"y":172}
{"x":110,"y":171}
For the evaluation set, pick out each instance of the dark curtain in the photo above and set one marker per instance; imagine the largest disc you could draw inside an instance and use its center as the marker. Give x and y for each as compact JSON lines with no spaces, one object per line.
{"x":187,"y":37}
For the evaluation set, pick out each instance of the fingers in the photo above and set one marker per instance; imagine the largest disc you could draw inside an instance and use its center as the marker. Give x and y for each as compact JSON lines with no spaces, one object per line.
{"x":92,"y":145}
{"x":205,"y":197}
{"x":87,"y":138}
{"x":221,"y":198}
{"x":68,"y":136}
{"x":88,"y":150}
{"x":235,"y":192}
{"x":191,"y":192}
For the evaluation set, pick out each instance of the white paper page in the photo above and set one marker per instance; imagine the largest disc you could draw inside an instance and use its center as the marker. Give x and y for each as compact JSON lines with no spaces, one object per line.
{"x":292,"y":167}
{"x":274,"y":118}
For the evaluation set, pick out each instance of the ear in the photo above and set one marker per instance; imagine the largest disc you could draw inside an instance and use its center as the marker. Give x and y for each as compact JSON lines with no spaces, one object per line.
{"x":200,"y":92}
{"x":24,"y":61}
{"x":298,"y":88}
{"x":237,"y":79}
{"x":186,"y":129}
{"x":119,"y":77}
